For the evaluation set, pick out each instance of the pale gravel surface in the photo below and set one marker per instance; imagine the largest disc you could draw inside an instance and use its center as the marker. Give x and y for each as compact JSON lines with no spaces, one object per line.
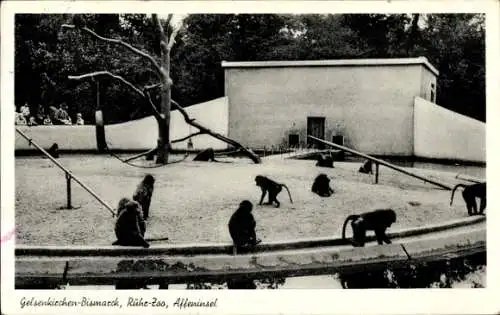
{"x":193,"y":201}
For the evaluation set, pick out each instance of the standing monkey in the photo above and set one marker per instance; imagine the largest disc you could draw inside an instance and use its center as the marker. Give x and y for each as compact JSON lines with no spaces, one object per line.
{"x":470,"y":193}
{"x":242,"y":230}
{"x":144,"y":193}
{"x":268,"y":185}
{"x":377,"y":221}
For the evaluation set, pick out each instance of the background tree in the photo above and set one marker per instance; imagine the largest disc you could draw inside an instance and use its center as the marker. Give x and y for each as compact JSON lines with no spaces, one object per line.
{"x":161,"y":69}
{"x":454,"y":43}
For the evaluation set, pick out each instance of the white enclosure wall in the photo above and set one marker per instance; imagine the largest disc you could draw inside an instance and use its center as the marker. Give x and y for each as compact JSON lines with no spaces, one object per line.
{"x":212,"y":114}
{"x":140,"y":134}
{"x":443,"y":134}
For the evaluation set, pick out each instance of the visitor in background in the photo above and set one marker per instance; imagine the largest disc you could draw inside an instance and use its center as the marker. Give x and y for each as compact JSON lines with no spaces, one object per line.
{"x":79,"y":119}
{"x":40,"y":114}
{"x":61,"y":116}
{"x":25,"y":111}
{"x":32,"y":121}
{"x":20,"y":120}
{"x":47,"y":121}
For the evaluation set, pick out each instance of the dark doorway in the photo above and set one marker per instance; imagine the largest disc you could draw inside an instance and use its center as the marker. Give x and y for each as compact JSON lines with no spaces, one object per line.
{"x":316,"y":128}
{"x":293,"y":140}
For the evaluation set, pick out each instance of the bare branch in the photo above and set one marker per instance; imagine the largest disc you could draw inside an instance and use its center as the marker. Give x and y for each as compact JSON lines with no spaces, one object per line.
{"x":121,"y":43}
{"x":169,"y":18}
{"x":109,"y":74}
{"x":157,"y":23}
{"x":188,"y":136}
{"x":121,"y":79}
{"x":171,"y":41}
{"x":156,"y":113}
{"x":153,"y":86}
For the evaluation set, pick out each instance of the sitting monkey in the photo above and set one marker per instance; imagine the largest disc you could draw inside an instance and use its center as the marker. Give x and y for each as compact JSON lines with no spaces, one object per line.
{"x":242,"y":227}
{"x":129,"y":225}
{"x":321,"y":186}
{"x":325,"y":160}
{"x":367,"y":167}
{"x":144,"y":193}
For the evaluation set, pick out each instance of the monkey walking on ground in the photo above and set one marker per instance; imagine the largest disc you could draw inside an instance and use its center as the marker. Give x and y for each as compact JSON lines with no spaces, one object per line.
{"x":367,"y":167}
{"x":242,"y":227}
{"x":129,"y":225}
{"x":321,"y":186}
{"x":470,"y":193}
{"x":144,"y":192}
{"x":268,"y":185}
{"x":377,"y":221}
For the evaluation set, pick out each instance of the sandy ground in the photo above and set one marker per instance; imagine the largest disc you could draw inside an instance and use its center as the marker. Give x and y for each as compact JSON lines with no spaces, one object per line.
{"x":193,"y":201}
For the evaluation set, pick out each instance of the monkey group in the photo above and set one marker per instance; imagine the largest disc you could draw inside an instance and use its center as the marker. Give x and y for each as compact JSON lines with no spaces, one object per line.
{"x":130,"y":226}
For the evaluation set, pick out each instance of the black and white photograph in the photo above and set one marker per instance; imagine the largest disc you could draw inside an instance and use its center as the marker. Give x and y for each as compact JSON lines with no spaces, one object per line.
{"x":230,"y":150}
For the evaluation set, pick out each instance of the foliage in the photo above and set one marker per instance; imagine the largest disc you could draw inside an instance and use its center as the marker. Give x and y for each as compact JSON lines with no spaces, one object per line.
{"x":45,"y":55}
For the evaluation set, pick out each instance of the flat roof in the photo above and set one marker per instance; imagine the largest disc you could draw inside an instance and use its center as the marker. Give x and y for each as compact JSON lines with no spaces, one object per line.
{"x":331,"y":63}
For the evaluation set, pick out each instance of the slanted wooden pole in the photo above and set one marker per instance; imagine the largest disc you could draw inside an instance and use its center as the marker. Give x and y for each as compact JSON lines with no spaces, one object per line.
{"x":389,"y":165}
{"x":68,"y":172}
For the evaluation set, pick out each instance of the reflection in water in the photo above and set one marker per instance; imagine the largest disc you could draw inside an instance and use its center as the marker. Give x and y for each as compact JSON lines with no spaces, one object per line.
{"x":467,"y":272}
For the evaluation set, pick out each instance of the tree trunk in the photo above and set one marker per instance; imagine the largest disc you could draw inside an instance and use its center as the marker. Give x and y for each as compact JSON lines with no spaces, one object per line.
{"x":163,"y":140}
{"x":164,"y":124}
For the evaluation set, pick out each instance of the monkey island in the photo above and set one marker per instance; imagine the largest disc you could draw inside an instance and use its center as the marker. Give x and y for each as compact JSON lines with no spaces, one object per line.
{"x":199,"y":201}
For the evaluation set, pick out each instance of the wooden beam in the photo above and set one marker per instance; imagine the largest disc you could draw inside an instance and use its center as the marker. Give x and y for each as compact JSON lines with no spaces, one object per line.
{"x":382,"y":162}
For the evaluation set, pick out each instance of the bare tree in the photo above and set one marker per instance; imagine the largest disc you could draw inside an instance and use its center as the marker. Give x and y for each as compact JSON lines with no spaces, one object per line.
{"x":162,"y":69}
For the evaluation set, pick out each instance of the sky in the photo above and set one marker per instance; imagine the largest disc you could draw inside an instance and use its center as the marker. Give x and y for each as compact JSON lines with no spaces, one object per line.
{"x":176,"y":19}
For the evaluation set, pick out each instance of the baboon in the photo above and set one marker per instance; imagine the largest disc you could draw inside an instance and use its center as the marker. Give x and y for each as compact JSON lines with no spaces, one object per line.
{"x":272,"y":187}
{"x":128,"y":224}
{"x":151,"y":155}
{"x":377,"y":221}
{"x":242,"y":227}
{"x":321,"y":186}
{"x":470,"y":193}
{"x":54,"y":150}
{"x":122,"y":206}
{"x":144,"y":192}
{"x":367,"y":167}
{"x":205,"y":155}
{"x":325,"y":160}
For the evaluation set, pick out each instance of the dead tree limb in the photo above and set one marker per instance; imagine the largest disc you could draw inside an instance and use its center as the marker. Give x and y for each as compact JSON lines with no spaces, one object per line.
{"x":121,"y":43}
{"x":187,"y":137}
{"x":121,"y":79}
{"x":254,"y":157}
